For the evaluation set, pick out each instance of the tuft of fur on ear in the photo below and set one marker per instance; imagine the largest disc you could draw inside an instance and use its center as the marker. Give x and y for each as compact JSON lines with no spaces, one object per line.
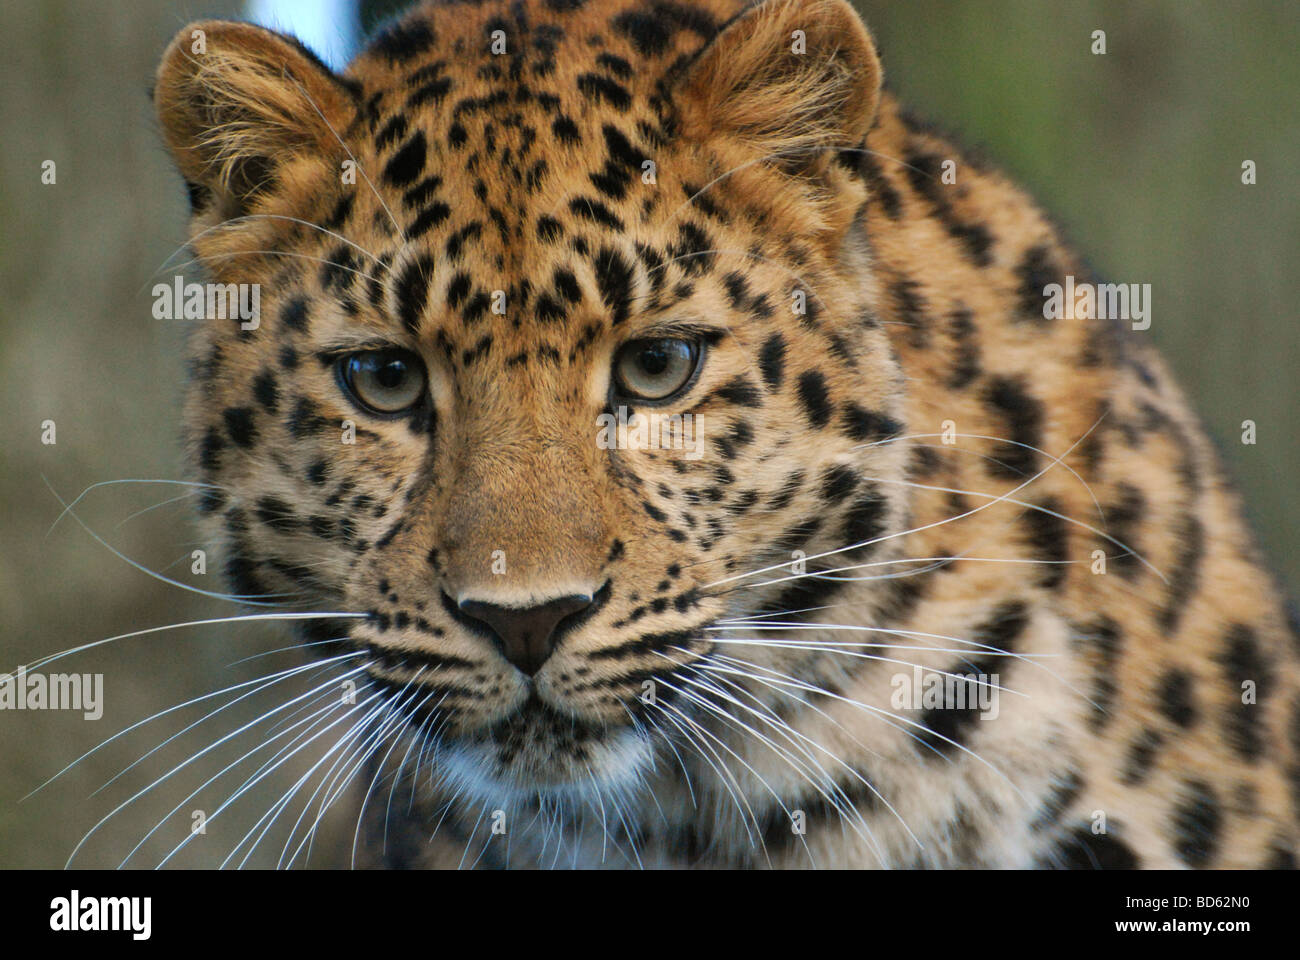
{"x":788,"y":80}
{"x":238,"y":104}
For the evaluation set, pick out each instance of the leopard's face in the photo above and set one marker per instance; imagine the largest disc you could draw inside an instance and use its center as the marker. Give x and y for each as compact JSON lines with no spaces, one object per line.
{"x":502,"y":263}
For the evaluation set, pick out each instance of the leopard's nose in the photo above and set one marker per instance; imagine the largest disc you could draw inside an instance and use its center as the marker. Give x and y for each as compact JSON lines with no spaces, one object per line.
{"x":527,"y":635}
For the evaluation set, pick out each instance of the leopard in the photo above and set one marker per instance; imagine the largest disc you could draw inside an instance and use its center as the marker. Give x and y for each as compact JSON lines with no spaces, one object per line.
{"x":675,"y":442}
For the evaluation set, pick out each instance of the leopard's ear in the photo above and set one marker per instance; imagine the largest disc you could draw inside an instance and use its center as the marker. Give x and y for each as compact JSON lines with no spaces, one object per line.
{"x":788,"y":80}
{"x":243,"y":108}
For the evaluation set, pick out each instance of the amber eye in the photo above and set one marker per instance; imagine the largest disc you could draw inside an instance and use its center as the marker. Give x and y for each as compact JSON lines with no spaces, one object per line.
{"x":385,"y":382}
{"x":655,"y":369}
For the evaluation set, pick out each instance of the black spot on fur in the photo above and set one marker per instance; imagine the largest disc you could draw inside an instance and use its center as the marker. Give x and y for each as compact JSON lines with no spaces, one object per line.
{"x":868,"y":425}
{"x":1123,"y":521}
{"x":1050,"y":541}
{"x":649,"y":33}
{"x":771,"y":361}
{"x":407,"y":164}
{"x":342,"y":210}
{"x":881,"y":190}
{"x":431,"y":216}
{"x":1105,"y":638}
{"x":1024,"y":417}
{"x":948,"y":727}
{"x":1195,"y":823}
{"x":413,"y":290}
{"x":924,"y":172}
{"x":966,"y":352}
{"x":210,"y":449}
{"x":815,"y":397}
{"x":294,"y":314}
{"x":240,"y":426}
{"x":404,"y":41}
{"x":565,"y":130}
{"x":1142,"y":753}
{"x":614,"y":278}
{"x":1057,"y":801}
{"x":432,"y":92}
{"x":600,"y":89}
{"x":1177,"y":698}
{"x":549,"y":229}
{"x":392,"y":131}
{"x":909,"y":307}
{"x":1082,"y":849}
{"x":863,"y":524}
{"x":1190,"y":536}
{"x":1243,"y":660}
{"x":740,"y":391}
{"x":837,"y":483}
{"x":595,"y":212}
{"x":266,"y":392}
{"x":693,"y":249}
{"x":1036,"y":270}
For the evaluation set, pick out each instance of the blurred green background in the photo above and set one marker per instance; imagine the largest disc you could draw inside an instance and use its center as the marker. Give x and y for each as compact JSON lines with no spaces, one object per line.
{"x":1137,"y":154}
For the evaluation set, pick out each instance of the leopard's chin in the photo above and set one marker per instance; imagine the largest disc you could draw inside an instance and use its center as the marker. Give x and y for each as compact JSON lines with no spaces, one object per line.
{"x":538,"y":752}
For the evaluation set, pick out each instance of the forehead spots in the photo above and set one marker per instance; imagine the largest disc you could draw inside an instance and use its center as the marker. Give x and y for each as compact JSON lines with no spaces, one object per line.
{"x":614,"y":278}
{"x":412,"y":291}
{"x":602,"y":90}
{"x":653,"y":27}
{"x":404,"y":41}
{"x":622,"y":165}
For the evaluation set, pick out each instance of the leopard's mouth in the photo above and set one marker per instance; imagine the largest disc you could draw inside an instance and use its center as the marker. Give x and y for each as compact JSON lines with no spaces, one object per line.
{"x":537,"y":750}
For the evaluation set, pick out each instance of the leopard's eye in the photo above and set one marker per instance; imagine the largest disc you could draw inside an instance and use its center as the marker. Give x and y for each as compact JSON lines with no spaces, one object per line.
{"x":385,"y":382}
{"x":655,"y":369}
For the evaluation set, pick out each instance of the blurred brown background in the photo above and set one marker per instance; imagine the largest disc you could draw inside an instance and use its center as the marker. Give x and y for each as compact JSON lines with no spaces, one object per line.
{"x":1137,"y":154}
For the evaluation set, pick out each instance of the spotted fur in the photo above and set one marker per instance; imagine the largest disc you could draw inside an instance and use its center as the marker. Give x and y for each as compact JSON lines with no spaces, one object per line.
{"x":1122,"y":738}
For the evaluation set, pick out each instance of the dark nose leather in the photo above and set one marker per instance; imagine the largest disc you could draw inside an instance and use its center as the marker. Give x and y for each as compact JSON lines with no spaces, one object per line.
{"x":527,"y":634}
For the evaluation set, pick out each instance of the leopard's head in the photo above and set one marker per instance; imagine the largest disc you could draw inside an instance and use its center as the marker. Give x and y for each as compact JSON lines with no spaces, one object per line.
{"x":566,"y":356}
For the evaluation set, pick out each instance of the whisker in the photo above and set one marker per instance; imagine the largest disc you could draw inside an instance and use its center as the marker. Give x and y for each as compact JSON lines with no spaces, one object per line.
{"x":186,"y":763}
{"x":902,"y":533}
{"x":308,"y":721}
{"x":785,"y":729}
{"x":143,"y":569}
{"x":43,"y":661}
{"x":886,"y":716}
{"x":161,"y":713}
{"x":109,"y":483}
{"x":283,"y":675}
{"x":276,"y":253}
